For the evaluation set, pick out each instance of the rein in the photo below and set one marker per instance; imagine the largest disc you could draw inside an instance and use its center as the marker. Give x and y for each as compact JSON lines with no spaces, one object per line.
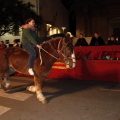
{"x":47,"y":53}
{"x":58,"y":50}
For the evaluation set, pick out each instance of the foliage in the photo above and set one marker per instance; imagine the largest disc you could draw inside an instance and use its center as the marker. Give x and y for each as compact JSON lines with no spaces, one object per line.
{"x":14,"y":13}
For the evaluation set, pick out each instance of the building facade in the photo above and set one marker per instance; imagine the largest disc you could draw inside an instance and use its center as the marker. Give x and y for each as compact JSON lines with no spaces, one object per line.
{"x":54,"y":18}
{"x":103,"y":18}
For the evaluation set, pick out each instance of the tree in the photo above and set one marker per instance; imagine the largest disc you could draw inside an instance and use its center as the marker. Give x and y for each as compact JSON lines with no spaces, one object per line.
{"x":14,"y":13}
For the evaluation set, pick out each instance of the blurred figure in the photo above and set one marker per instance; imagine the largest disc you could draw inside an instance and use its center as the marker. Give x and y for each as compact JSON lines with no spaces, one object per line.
{"x":97,"y":40}
{"x":67,"y":36}
{"x":15,"y":44}
{"x":2,"y":45}
{"x":81,"y":41}
{"x":112,"y":41}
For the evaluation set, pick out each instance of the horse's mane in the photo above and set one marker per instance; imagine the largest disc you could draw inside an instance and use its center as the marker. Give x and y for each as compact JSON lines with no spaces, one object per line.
{"x":51,"y":40}
{"x":52,"y":36}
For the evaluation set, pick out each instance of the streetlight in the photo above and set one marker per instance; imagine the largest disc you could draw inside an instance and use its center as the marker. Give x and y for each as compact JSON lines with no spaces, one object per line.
{"x":63,"y":28}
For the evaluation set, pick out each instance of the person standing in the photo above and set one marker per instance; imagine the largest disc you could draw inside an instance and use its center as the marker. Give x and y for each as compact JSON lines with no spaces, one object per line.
{"x":97,"y":40}
{"x":112,"y":41}
{"x":15,"y":44}
{"x":30,"y":40}
{"x":2,"y":45}
{"x":81,"y":41}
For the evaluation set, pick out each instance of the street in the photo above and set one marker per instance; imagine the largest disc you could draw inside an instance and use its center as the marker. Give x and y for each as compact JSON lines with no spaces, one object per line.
{"x":67,"y":100}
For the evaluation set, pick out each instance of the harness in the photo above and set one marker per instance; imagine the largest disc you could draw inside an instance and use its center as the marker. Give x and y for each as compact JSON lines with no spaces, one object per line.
{"x":58,"y":51}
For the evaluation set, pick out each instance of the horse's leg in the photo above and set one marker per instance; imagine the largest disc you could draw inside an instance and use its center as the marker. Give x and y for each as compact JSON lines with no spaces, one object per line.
{"x":38,"y":88}
{"x":32,"y":87}
{"x":6,"y":81}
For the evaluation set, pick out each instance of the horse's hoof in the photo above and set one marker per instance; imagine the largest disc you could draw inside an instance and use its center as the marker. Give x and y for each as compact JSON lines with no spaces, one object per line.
{"x":44,"y":101}
{"x":4,"y":88}
{"x":31,"y":89}
{"x":7,"y":85}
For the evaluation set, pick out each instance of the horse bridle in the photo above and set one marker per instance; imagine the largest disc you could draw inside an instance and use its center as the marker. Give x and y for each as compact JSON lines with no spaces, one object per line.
{"x":58,"y":50}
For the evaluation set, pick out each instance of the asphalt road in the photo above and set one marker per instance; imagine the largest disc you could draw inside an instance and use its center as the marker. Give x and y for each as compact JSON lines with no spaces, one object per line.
{"x":67,"y":100}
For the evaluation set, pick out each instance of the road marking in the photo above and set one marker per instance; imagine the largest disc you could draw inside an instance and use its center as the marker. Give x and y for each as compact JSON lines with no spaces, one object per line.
{"x":16,"y":96}
{"x":19,"y":96}
{"x":3,"y":109}
{"x":117,"y":90}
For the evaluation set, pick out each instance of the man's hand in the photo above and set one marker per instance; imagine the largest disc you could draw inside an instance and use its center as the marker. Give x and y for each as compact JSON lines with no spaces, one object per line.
{"x":38,"y":46}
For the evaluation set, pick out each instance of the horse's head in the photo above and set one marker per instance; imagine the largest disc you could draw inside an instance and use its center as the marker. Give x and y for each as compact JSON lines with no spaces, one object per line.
{"x":66,"y":52}
{"x":60,"y":49}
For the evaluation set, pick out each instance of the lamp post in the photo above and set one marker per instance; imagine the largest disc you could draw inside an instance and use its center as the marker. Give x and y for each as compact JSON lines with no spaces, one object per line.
{"x":63,"y":28}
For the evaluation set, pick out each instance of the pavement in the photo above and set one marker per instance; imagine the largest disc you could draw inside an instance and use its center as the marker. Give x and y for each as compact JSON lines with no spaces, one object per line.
{"x":67,"y":100}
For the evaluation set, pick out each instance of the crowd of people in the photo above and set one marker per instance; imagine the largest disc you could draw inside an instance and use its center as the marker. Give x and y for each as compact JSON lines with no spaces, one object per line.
{"x":30,"y":39}
{"x":96,"y":40}
{"x":3,"y":45}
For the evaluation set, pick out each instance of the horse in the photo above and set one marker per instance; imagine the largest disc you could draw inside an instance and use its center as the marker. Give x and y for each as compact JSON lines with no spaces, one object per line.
{"x":57,"y":49}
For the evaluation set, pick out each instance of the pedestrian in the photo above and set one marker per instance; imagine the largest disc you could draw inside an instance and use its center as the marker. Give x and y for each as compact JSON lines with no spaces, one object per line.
{"x":2,"y":45}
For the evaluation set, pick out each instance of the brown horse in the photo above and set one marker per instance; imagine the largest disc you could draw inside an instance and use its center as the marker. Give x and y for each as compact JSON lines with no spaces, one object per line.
{"x":55,"y":49}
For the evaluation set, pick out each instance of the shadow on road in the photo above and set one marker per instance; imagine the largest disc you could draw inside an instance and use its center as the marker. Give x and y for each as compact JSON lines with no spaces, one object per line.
{"x":68,"y":86}
{"x":61,"y":86}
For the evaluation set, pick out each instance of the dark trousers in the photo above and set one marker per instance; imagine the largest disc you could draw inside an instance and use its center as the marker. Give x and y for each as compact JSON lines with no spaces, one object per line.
{"x":30,"y":49}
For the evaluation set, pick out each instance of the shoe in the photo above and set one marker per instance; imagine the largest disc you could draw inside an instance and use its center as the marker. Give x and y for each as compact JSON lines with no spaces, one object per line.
{"x":31,"y":71}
